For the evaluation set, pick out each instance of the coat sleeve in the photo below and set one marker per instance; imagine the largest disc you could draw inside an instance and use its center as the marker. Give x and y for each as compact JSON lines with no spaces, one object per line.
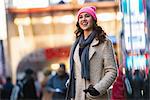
{"x":50,"y":85}
{"x":110,"y":69}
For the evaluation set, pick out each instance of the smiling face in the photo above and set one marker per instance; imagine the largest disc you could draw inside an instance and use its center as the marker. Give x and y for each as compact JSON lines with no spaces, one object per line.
{"x":85,"y":21}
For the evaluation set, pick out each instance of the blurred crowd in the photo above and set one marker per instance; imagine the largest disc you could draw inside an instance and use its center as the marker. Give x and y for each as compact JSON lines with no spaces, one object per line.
{"x":52,"y":87}
{"x":134,"y":85}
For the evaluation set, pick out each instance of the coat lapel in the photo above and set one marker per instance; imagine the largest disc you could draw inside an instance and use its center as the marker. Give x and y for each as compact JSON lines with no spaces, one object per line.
{"x":92,"y":50}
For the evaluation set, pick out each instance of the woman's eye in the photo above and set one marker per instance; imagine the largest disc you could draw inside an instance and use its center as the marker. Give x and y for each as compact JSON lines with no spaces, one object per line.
{"x":87,"y":15}
{"x":80,"y":17}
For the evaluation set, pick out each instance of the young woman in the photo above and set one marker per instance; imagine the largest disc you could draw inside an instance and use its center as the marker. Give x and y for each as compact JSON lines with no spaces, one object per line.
{"x":92,"y":62}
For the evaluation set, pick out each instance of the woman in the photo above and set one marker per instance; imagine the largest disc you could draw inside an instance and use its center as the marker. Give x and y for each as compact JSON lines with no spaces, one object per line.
{"x":92,"y":62}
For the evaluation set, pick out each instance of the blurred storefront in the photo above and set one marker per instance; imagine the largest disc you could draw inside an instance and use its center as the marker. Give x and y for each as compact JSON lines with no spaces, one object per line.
{"x":43,"y":34}
{"x":3,"y":38}
{"x":135,"y":36}
{"x":148,"y":20}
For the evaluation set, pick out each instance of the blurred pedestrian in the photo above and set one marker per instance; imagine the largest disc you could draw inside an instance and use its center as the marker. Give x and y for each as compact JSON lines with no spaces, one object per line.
{"x":37,"y":87}
{"x":17,"y":91}
{"x":7,"y":89}
{"x":129,"y":84}
{"x":29,"y":89}
{"x":56,"y":84}
{"x":138,"y":81}
{"x":92,"y":60}
{"x":45,"y":94}
{"x":1,"y":85}
{"x":118,"y":90}
{"x":146,"y":88}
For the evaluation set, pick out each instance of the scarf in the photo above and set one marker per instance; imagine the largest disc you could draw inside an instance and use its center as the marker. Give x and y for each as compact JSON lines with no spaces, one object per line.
{"x":85,"y":67}
{"x":84,"y":57}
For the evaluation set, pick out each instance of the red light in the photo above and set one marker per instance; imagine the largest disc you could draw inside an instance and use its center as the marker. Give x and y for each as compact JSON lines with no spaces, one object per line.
{"x":146,"y":55}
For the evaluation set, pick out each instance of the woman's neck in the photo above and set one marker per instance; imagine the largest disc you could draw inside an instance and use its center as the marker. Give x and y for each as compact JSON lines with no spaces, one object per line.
{"x":87,"y":33}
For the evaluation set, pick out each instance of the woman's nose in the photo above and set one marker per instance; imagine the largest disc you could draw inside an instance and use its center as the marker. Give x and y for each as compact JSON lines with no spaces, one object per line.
{"x":84,"y":18}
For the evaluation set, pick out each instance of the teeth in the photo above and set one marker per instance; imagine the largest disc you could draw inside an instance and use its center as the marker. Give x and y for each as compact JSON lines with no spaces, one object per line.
{"x":84,"y":23}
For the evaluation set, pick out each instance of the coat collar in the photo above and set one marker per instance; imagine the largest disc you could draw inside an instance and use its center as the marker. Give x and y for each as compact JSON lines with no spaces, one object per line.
{"x":92,"y":51}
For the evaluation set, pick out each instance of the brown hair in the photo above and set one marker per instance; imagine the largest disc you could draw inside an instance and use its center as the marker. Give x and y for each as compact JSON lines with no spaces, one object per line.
{"x":100,"y":34}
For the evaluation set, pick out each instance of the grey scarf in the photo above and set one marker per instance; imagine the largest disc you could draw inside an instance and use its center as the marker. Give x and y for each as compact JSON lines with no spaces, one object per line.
{"x":84,"y":47}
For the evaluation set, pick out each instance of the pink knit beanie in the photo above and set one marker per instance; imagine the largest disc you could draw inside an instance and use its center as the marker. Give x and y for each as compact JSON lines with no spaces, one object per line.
{"x":90,"y":10}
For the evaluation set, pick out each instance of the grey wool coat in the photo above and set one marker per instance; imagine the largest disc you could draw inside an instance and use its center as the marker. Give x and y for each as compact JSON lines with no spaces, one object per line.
{"x":103,"y":70}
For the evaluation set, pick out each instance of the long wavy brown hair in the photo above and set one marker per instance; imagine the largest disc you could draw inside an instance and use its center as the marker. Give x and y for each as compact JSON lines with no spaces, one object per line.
{"x":100,"y":34}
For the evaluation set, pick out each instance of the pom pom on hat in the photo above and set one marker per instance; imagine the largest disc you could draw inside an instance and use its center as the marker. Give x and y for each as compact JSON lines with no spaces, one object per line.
{"x":90,"y":10}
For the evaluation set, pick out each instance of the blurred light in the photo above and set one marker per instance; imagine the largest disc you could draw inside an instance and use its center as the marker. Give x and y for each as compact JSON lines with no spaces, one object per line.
{"x":136,"y":62}
{"x":22,"y":21}
{"x":67,"y":19}
{"x":81,"y":1}
{"x":67,"y":0}
{"x":119,"y":16}
{"x":106,"y":16}
{"x":21,"y":32}
{"x":47,"y":19}
{"x":54,"y":66}
{"x":54,"y":1}
{"x":147,"y":55}
{"x":44,"y":20}
{"x":68,"y":38}
{"x":30,"y":3}
{"x":3,"y":26}
{"x":123,"y":70}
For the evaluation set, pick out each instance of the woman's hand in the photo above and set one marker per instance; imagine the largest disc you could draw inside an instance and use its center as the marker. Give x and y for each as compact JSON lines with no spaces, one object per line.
{"x":92,"y":91}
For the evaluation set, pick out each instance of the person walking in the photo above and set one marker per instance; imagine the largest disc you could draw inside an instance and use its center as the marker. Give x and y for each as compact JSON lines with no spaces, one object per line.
{"x":93,"y":66}
{"x":29,"y":88}
{"x":56,"y":84}
{"x":146,"y":87}
{"x":7,"y":89}
{"x":138,"y":82}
